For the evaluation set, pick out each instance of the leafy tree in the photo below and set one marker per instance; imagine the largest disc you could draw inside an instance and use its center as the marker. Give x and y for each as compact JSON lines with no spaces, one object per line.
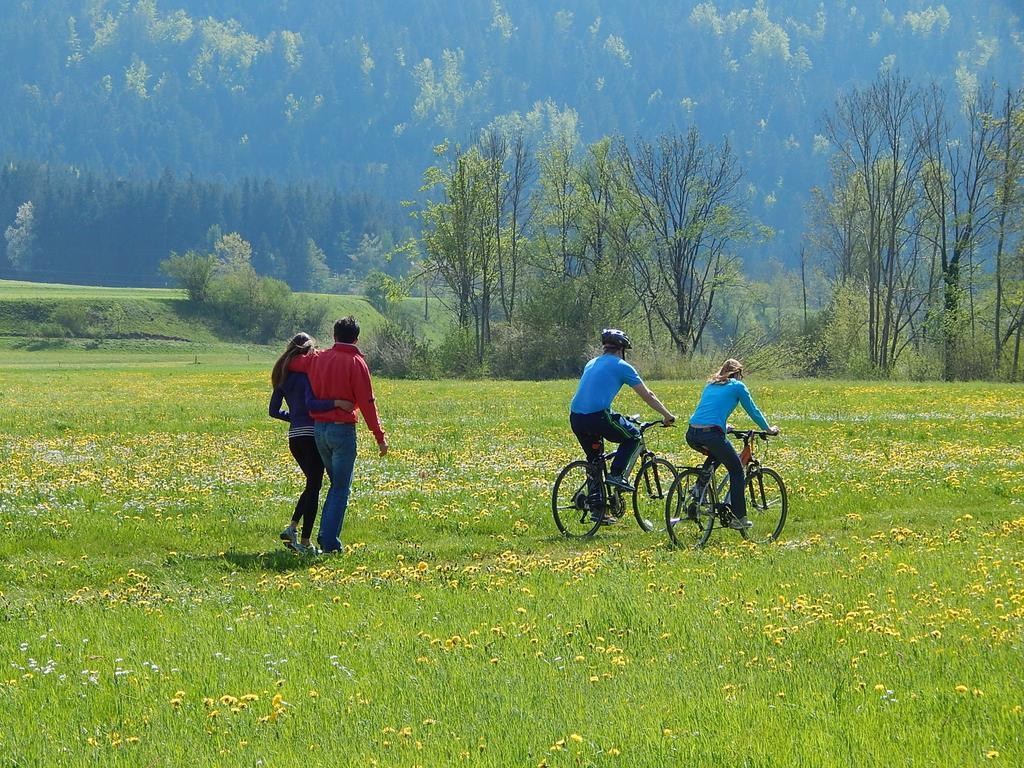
{"x":383,"y":291}
{"x":192,"y":271}
{"x":21,"y":237}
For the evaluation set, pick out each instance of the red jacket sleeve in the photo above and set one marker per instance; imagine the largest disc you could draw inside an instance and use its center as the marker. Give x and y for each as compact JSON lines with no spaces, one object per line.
{"x":363,"y":391}
{"x":300,"y":363}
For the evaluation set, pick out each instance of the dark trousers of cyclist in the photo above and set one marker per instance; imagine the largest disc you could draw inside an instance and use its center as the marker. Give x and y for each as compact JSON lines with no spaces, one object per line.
{"x":307,"y":456}
{"x":720,"y":451}
{"x":591,"y":428}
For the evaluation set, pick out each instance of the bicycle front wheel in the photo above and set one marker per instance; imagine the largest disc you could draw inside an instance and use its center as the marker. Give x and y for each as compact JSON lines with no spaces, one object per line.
{"x":690,"y":510}
{"x":652,"y":485}
{"x":570,"y":502}
{"x":767,"y":504}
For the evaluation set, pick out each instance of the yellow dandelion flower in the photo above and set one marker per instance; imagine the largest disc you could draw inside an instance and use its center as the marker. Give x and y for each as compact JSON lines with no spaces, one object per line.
{"x":961,"y":689}
{"x":576,"y":737}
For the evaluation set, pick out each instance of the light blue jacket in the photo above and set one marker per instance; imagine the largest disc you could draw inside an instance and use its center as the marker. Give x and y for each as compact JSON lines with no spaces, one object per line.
{"x":717,"y":401}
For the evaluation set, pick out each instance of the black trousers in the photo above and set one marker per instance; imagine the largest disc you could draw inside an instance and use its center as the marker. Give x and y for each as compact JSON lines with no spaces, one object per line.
{"x":307,"y":456}
{"x":719,"y":450}
{"x":592,"y":428}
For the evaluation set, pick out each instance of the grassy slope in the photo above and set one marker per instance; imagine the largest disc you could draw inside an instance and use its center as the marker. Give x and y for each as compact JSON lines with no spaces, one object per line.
{"x":141,"y":508}
{"x":156,"y":324}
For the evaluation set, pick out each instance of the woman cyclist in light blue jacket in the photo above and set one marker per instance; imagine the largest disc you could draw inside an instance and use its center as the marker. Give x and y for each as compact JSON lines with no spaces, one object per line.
{"x":707,"y":432}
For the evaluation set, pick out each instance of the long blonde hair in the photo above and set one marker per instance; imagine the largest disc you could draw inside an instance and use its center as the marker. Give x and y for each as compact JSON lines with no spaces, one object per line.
{"x":301,"y":344}
{"x":730,"y":369}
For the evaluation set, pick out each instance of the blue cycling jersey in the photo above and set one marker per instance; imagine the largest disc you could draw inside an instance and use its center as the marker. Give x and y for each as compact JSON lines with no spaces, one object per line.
{"x":601,"y":381}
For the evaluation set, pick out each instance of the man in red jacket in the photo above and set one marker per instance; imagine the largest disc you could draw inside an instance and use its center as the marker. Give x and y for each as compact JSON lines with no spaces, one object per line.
{"x":340,"y":373}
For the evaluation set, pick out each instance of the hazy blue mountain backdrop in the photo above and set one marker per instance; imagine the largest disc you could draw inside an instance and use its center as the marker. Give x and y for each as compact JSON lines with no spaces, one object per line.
{"x":243,"y":110}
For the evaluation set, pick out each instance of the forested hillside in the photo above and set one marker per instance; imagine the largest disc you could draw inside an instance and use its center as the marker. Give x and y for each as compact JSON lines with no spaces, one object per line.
{"x":355,"y":94}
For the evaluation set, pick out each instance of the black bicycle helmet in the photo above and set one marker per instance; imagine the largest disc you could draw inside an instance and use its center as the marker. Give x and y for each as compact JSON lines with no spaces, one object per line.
{"x":615,"y":338}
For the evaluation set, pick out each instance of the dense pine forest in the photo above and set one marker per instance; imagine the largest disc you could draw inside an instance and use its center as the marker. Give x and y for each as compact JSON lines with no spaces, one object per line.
{"x":137,"y":128}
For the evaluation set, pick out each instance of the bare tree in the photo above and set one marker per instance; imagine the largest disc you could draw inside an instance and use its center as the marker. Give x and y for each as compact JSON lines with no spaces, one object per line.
{"x":836,"y":223}
{"x":874,"y":133}
{"x":556,"y":205}
{"x":685,"y":195}
{"x":510,"y":167}
{"x":956,"y":185}
{"x":1009,"y":171}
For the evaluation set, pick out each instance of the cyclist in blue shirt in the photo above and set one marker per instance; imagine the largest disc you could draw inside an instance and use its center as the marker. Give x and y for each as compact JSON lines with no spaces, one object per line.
{"x":592,"y":419}
{"x":707,"y":431}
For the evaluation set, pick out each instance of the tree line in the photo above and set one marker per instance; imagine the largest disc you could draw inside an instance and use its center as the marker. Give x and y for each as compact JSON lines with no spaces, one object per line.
{"x":69,"y":225}
{"x":913,"y":254}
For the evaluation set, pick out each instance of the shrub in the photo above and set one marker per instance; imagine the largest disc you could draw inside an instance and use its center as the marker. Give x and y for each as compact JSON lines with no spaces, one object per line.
{"x":383,"y":291}
{"x":250,"y":306}
{"x":309,"y":314}
{"x":551,"y":338}
{"x":394,"y":351}
{"x":456,"y":357}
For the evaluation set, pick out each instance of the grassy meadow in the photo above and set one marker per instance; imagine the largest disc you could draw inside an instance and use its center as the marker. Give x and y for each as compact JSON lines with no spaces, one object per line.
{"x":149,"y":616}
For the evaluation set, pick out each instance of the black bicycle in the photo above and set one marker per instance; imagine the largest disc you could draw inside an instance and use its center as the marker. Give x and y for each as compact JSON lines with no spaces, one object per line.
{"x":693,"y":509}
{"x":579,"y":513}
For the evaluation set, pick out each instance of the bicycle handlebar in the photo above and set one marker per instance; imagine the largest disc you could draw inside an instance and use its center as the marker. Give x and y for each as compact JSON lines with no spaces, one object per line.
{"x":645,"y":425}
{"x":747,"y":434}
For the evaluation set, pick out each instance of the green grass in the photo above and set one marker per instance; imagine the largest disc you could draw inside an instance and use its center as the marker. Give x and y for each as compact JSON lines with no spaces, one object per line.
{"x":143,"y":589}
{"x":20,"y":289}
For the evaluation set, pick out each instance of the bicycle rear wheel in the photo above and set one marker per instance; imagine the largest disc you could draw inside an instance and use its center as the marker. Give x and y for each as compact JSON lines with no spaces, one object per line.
{"x":570,"y":502}
{"x":767,"y":504}
{"x":690,"y":510}
{"x":652,"y":484}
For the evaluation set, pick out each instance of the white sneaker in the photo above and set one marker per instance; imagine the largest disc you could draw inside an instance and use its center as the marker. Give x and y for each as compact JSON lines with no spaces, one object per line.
{"x":290,"y":538}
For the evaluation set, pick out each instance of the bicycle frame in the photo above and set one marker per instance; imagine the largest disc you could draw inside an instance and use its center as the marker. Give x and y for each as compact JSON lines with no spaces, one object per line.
{"x":645,"y":452}
{"x":747,"y":459}
{"x":611,"y":495}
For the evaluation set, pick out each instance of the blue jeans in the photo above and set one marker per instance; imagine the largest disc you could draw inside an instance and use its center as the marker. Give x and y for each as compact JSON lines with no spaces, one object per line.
{"x":337,"y":446}
{"x":720,"y":451}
